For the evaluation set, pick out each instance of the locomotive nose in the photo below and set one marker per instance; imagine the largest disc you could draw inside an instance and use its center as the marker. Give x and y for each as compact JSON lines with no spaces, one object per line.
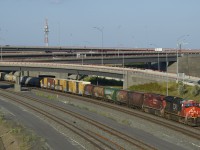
{"x":194,"y":112}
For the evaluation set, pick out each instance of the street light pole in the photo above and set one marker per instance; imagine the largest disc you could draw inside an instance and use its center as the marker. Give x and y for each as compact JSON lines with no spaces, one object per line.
{"x":1,"y":52}
{"x":167,"y":72}
{"x":82,"y":59}
{"x":177,"y":64}
{"x":2,"y":49}
{"x":101,"y":30}
{"x":123,"y":68}
{"x":158,"y":62}
{"x":179,"y":44}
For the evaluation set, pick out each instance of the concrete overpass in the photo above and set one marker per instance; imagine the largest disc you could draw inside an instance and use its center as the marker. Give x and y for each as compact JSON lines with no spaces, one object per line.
{"x":99,"y":60}
{"x":91,"y":55}
{"x":188,"y":64}
{"x":130,"y":76}
{"x":69,"y":48}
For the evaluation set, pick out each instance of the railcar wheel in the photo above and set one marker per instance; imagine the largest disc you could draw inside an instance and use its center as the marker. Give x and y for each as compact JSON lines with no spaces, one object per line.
{"x":181,"y":119}
{"x":167,"y":116}
{"x":146,"y":110}
{"x":186,"y":120}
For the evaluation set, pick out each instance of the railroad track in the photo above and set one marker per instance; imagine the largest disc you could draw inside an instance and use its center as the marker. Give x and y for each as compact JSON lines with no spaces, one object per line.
{"x":194,"y":132}
{"x":54,"y":118}
{"x":97,"y":139}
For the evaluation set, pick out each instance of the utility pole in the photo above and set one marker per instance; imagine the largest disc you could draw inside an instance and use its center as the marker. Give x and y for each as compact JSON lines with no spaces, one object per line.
{"x":101,"y":30}
{"x":167,"y":73}
{"x":179,"y":45}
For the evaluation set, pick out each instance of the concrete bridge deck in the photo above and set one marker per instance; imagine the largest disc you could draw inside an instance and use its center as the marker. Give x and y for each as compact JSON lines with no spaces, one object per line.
{"x":130,"y":76}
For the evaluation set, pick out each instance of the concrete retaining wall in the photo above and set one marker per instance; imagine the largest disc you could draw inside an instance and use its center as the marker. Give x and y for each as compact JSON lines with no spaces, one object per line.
{"x":190,"y":65}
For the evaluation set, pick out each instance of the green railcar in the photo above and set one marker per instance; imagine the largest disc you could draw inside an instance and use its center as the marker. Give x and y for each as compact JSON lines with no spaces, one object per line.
{"x":110,"y":93}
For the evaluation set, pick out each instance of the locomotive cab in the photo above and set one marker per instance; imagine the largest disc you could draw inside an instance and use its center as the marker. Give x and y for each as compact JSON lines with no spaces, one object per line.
{"x":191,"y":112}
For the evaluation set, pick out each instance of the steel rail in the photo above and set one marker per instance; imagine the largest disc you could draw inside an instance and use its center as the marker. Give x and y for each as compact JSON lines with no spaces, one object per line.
{"x":190,"y":133}
{"x":99,"y":125}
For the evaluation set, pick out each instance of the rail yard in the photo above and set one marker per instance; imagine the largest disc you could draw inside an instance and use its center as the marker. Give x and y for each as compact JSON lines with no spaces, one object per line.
{"x":99,"y":75}
{"x":125,"y":129}
{"x":80,"y":115}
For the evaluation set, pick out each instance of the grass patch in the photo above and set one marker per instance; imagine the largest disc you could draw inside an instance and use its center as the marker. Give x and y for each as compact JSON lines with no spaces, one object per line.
{"x":126,"y":122}
{"x":27,"y":139}
{"x":108,"y":115}
{"x":48,"y":96}
{"x":1,"y":118}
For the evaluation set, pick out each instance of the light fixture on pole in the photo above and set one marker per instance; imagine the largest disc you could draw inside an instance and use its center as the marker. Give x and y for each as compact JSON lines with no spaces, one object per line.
{"x":82,"y":58}
{"x":101,"y":30}
{"x":2,"y":49}
{"x":180,"y":42}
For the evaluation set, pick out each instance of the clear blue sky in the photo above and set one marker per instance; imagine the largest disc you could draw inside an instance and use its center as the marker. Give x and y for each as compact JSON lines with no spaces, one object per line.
{"x":127,"y":23}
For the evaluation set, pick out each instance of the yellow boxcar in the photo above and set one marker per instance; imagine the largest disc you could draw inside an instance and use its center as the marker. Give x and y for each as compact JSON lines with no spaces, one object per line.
{"x":43,"y":83}
{"x":63,"y":84}
{"x":81,"y":86}
{"x":72,"y":88}
{"x":57,"y":84}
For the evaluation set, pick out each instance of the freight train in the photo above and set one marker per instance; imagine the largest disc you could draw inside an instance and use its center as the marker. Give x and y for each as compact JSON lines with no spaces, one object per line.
{"x":170,"y":107}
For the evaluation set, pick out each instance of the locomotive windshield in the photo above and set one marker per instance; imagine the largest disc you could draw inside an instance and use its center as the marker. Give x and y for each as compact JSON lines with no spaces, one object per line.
{"x":192,"y":105}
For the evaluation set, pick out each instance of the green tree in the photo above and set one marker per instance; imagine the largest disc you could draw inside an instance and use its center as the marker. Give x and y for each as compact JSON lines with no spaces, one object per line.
{"x":181,"y":88}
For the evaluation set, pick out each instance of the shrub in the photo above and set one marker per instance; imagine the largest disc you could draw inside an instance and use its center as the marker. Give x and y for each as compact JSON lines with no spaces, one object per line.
{"x":195,"y":90}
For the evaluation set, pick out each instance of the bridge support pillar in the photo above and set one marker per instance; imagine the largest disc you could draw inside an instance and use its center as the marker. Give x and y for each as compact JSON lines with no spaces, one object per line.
{"x":149,"y":65}
{"x":17,"y":84}
{"x":125,"y":80}
{"x":25,"y":73}
{"x":21,"y":73}
{"x":62,"y":75}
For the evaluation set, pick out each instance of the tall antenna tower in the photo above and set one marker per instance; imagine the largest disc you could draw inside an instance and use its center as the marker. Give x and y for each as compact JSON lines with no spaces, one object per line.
{"x":46,"y":32}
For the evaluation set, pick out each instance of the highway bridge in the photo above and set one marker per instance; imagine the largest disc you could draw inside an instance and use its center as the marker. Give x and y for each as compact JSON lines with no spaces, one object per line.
{"x":11,"y":48}
{"x":130,"y":76}
{"x":71,"y":49}
{"x":83,"y":59}
{"x":90,"y":55}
